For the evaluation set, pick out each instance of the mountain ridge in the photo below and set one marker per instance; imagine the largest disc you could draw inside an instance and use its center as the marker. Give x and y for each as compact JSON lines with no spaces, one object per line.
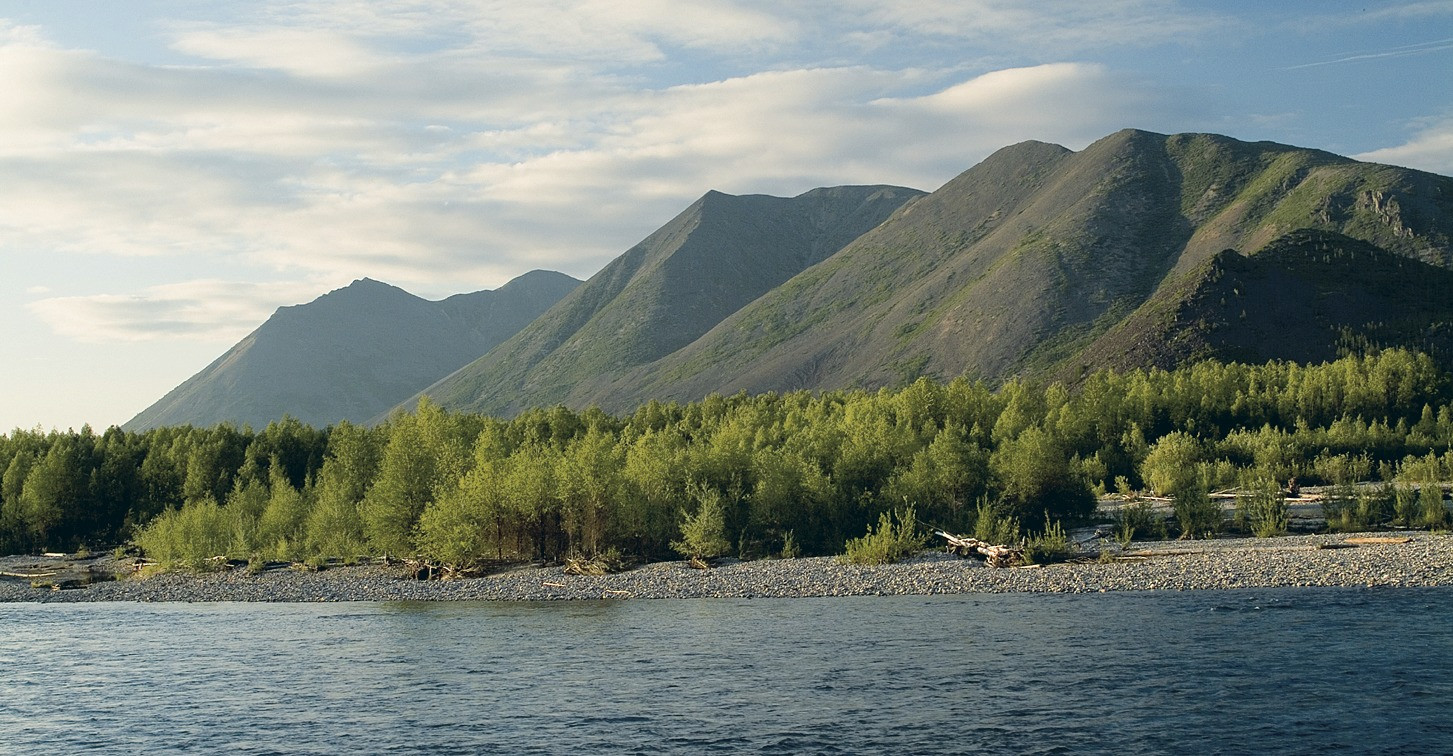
{"x":717,"y":255}
{"x":351,"y":353}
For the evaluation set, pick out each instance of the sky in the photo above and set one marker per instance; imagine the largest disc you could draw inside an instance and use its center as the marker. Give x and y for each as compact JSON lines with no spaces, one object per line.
{"x":172,"y":171}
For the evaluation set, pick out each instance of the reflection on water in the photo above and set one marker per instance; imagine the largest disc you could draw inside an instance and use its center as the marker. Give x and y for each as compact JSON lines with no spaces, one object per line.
{"x":1235,"y":672}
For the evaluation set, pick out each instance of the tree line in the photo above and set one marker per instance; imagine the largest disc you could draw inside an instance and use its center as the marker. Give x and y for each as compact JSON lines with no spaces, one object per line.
{"x":771,"y":474}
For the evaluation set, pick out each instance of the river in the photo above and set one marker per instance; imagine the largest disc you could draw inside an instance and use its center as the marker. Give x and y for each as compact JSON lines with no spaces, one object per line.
{"x":1276,"y":670}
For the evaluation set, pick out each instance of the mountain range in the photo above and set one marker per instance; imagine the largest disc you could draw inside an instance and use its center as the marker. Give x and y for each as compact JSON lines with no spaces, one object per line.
{"x":1142,"y":249}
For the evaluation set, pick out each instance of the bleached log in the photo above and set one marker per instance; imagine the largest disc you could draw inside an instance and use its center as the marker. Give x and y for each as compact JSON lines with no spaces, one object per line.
{"x":994,"y":555}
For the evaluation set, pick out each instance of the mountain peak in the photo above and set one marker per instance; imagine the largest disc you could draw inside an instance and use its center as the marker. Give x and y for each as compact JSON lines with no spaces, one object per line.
{"x":351,"y":354}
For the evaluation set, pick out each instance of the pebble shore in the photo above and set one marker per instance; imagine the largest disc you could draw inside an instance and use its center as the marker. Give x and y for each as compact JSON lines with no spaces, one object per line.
{"x":1307,"y":560}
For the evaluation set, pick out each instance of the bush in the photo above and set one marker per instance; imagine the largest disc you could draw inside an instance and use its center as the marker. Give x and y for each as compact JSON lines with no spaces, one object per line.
{"x":703,"y":535}
{"x":992,"y":524}
{"x":1347,"y":510}
{"x":1137,"y":517}
{"x":1171,"y":463}
{"x":1196,"y":513}
{"x":789,"y":546}
{"x":1406,"y":508}
{"x":1050,"y":546}
{"x":1434,"y":513}
{"x":889,"y":543}
{"x":193,"y":536}
{"x":1264,"y":510}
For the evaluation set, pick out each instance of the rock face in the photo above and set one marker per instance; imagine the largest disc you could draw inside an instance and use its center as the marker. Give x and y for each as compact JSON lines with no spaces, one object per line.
{"x":352,"y":353}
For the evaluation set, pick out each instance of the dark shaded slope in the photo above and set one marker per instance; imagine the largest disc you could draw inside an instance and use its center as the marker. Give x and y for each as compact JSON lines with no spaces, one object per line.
{"x":719,"y":254}
{"x":1301,"y":298}
{"x":352,"y":353}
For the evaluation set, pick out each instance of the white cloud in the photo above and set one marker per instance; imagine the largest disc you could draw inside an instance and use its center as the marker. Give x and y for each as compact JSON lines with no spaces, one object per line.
{"x":207,"y":310}
{"x":448,"y":146}
{"x":612,"y":32}
{"x":1062,"y":26}
{"x":428,"y":180}
{"x":1430,"y":149}
{"x":304,"y":52}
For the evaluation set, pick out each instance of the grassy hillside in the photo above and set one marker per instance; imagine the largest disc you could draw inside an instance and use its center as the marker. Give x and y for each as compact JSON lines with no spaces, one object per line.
{"x":719,"y":254}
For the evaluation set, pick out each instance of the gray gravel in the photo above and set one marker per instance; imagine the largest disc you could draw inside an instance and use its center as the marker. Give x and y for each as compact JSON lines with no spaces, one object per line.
{"x":1425,"y":560}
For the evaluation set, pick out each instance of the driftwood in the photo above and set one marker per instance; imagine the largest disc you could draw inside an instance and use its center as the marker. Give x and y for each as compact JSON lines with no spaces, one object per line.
{"x":585,"y":566}
{"x":992,"y":554}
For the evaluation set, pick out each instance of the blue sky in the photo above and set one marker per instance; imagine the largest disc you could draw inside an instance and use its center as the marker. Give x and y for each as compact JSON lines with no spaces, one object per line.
{"x":175,"y":171}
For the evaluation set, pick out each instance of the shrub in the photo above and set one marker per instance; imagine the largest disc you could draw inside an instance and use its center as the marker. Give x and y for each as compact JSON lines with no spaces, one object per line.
{"x":1196,"y":513}
{"x":789,"y":546}
{"x":889,"y":543}
{"x":1170,"y":465}
{"x":1434,"y":514}
{"x":193,"y":536}
{"x":1264,"y":510}
{"x":1137,"y":517}
{"x":993,"y":525}
{"x":1050,"y":546}
{"x":1406,"y":508}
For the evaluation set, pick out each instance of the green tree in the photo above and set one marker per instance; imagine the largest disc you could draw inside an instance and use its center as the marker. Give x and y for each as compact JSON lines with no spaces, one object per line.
{"x":590,"y":486}
{"x":703,"y":532}
{"x":943,"y":479}
{"x":1037,"y":481}
{"x":426,"y":452}
{"x":1170,"y":465}
{"x":473,"y":521}
{"x":280,"y":529}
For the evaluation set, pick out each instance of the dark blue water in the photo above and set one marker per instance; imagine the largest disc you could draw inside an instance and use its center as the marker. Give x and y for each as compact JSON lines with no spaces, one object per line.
{"x":1274,"y":671}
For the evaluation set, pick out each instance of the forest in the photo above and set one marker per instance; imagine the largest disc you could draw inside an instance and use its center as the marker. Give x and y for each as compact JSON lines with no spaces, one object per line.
{"x":753,"y":476}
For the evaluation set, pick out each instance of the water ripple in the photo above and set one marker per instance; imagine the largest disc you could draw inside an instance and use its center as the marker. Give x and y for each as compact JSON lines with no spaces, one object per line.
{"x":1292,"y":671}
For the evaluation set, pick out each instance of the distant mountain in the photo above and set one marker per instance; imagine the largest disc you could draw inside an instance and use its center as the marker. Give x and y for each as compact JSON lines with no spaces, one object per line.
{"x":1302,"y":297}
{"x":352,"y":353}
{"x":721,"y":253}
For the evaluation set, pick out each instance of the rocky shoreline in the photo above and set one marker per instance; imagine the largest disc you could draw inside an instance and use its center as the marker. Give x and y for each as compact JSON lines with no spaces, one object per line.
{"x":1423,"y":559}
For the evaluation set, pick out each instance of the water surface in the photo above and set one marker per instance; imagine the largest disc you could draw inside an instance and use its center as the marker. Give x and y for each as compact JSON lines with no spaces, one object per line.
{"x":1303,"y":670}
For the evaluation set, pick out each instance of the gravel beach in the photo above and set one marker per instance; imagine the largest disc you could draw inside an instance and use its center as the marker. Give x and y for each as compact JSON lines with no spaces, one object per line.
{"x":1308,"y":560}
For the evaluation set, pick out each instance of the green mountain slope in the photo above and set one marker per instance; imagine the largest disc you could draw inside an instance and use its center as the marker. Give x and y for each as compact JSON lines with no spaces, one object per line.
{"x":352,"y":353}
{"x":721,"y":253}
{"x":1020,"y":263}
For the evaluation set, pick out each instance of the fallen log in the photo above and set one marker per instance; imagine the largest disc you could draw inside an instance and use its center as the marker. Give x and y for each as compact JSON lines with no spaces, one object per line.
{"x":993,"y":555}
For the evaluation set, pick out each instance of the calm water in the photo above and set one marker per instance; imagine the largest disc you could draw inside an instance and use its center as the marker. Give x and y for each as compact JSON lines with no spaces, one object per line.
{"x":1235,"y":672}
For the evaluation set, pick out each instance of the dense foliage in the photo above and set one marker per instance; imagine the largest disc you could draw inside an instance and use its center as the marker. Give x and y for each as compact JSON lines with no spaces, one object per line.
{"x":793,"y":472}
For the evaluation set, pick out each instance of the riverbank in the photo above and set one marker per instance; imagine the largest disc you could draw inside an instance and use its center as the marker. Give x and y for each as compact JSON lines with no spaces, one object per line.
{"x":1424,"y":559}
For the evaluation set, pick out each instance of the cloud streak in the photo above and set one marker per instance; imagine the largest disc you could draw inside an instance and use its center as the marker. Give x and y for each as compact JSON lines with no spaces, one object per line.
{"x":453,"y":144}
{"x":1402,"y":51}
{"x":206,"y":310}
